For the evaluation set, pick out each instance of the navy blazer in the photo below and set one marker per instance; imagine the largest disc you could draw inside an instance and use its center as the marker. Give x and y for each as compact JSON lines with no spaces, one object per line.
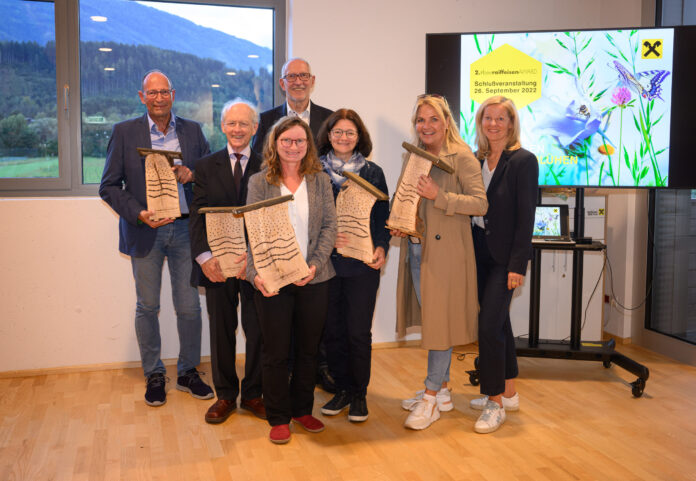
{"x":214,"y":187}
{"x":123,"y":181}
{"x":317,"y":116}
{"x":512,"y":198}
{"x":348,"y":266}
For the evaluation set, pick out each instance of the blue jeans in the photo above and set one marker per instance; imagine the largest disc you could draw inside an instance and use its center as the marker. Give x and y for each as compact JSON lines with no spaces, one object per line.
{"x":438,"y":361}
{"x":414,"y":260}
{"x":172,"y":242}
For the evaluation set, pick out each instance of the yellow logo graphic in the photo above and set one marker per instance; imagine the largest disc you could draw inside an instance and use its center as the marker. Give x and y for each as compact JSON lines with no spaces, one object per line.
{"x":651,"y":48}
{"x":601,"y":211}
{"x":508,"y":72}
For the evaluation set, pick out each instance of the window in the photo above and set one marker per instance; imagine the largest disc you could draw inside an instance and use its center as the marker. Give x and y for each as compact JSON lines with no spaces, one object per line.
{"x":672,"y":310}
{"x":67,"y":89}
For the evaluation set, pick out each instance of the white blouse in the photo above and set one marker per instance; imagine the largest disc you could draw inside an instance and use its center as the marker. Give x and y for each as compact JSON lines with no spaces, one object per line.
{"x":487,"y":175}
{"x":298,"y":209}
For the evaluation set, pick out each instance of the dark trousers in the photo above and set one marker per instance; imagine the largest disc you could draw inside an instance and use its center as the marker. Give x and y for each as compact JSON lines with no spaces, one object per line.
{"x":497,"y":357}
{"x":297,"y":312}
{"x":348,"y":330}
{"x":222,"y":304}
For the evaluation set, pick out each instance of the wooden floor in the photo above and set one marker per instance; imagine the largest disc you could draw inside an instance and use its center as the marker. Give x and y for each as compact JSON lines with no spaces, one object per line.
{"x":577,"y":421}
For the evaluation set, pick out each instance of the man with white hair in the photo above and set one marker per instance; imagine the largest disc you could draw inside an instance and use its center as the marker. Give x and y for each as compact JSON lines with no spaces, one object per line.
{"x":221,"y":181}
{"x":297,"y":82}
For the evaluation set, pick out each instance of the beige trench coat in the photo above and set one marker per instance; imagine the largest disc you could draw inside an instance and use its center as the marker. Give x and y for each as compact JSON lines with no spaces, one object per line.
{"x":449,"y":314}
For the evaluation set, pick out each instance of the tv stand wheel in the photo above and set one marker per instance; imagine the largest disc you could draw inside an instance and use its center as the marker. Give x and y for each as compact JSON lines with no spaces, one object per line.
{"x":637,"y":387}
{"x":474,"y":377}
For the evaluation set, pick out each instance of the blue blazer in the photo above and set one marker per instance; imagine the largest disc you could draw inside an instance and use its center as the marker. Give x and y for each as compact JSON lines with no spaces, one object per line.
{"x":317,"y":116}
{"x":123,"y":181}
{"x":512,"y":197}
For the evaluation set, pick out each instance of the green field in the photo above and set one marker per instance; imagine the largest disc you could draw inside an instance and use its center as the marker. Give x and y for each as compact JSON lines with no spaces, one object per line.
{"x":47,"y":167}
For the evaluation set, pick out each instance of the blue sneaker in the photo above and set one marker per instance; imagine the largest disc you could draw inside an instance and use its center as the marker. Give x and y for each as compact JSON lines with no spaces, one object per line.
{"x":191,"y":382}
{"x":155,"y":395}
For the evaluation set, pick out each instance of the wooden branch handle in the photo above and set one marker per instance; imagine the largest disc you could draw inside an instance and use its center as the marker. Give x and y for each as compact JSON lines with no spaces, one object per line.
{"x":437,"y":161}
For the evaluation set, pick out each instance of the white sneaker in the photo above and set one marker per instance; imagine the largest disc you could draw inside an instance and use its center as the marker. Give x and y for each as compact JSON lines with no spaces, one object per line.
{"x":492,"y":417}
{"x":509,"y":403}
{"x":443,"y":397}
{"x":423,"y":414}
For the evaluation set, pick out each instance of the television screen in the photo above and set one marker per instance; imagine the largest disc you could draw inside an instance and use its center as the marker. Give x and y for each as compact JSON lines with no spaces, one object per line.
{"x":596,"y":107}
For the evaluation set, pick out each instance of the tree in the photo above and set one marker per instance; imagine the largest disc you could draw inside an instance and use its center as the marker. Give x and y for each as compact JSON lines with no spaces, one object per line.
{"x":16,"y":134}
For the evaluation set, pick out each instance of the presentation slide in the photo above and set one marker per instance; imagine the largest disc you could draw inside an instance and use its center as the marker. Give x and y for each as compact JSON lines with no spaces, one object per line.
{"x":594,"y":106}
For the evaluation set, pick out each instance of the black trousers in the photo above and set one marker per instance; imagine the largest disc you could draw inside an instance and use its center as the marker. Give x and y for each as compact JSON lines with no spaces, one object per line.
{"x":298,"y":312}
{"x":222,"y":304}
{"x":497,"y":357}
{"x":348,"y":330}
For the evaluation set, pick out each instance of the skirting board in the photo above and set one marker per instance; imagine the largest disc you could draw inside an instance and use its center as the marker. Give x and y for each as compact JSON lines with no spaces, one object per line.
{"x":618,"y":340}
{"x":167,"y":362}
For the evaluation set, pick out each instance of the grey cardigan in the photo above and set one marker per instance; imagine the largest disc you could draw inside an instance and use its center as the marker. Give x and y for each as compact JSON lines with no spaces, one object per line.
{"x":322,"y":221}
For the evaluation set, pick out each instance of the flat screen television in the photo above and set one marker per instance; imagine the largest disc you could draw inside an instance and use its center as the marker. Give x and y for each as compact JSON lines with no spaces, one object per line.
{"x":599,"y":108}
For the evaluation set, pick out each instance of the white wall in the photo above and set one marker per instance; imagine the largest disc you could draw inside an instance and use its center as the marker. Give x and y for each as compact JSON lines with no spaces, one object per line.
{"x":67,"y":296}
{"x":627,"y":224}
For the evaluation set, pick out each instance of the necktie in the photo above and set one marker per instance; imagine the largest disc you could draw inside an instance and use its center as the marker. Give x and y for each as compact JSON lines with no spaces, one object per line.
{"x":237,"y":173}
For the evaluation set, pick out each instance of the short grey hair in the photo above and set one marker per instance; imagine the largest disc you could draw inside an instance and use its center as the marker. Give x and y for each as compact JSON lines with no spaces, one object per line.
{"x":284,"y":70}
{"x":150,"y":72}
{"x":231,"y":103}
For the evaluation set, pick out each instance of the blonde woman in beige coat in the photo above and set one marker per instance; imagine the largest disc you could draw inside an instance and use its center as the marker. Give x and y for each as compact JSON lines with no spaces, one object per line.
{"x":437,"y":277}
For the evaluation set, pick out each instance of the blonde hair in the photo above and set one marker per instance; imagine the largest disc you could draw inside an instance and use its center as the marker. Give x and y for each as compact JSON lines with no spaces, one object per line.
{"x":513,"y":141}
{"x":310,"y":163}
{"x":443,"y":111}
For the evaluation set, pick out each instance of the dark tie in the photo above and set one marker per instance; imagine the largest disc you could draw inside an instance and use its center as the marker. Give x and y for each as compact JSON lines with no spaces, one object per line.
{"x":237,"y":173}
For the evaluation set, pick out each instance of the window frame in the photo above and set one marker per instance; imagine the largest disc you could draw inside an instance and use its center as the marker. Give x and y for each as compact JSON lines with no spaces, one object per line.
{"x":67,"y":25}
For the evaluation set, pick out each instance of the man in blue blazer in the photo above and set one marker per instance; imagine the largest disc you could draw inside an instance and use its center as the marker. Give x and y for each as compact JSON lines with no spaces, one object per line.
{"x":221,"y":181}
{"x":148,"y":242}
{"x":297,"y":82}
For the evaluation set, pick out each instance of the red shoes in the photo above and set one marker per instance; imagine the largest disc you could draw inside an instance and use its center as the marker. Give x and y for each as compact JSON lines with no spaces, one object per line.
{"x":280,"y":434}
{"x":310,"y":423}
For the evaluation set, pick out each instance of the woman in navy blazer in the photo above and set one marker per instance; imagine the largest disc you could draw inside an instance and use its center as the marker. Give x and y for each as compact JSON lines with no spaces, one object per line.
{"x":344,"y":143}
{"x":503,"y":245}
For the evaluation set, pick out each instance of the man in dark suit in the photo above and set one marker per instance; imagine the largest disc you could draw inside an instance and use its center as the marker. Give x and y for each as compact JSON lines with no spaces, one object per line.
{"x":221,"y":181}
{"x":297,"y":82}
{"x":148,"y":242}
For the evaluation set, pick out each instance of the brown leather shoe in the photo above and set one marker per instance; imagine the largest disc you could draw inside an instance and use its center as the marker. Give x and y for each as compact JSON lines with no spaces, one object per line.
{"x":255,"y":406}
{"x":220,"y":411}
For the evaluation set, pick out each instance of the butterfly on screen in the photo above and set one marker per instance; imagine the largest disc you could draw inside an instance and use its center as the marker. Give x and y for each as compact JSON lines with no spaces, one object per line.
{"x":647,"y":84}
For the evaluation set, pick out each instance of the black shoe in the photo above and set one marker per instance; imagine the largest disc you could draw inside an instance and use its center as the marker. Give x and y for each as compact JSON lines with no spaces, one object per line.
{"x":191,"y":382}
{"x":358,"y":409}
{"x":155,"y":395}
{"x":325,"y":380}
{"x":337,"y":404}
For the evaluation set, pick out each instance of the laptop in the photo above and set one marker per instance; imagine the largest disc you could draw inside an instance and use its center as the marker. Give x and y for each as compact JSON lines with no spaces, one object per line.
{"x":551,"y":224}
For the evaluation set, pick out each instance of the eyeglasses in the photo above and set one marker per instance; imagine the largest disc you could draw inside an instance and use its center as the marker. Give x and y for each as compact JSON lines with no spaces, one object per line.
{"x":243,"y":125}
{"x":165,"y":93}
{"x":288,"y":142}
{"x":338,"y":133}
{"x":291,"y":77}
